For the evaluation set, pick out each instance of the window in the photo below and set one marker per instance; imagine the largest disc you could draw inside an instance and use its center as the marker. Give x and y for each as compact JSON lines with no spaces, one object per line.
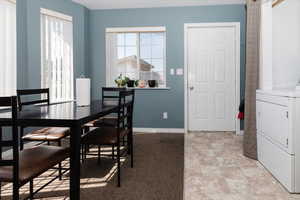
{"x":57,"y":55}
{"x":8,"y":58}
{"x":136,"y":53}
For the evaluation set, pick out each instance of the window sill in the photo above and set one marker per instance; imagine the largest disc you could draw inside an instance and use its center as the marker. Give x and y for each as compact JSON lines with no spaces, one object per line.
{"x":148,"y":88}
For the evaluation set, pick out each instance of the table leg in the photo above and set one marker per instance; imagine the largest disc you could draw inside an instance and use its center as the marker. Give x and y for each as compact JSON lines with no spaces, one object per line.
{"x":75,"y":162}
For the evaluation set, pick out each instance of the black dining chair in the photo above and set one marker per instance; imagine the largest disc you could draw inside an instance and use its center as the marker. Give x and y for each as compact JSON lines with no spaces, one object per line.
{"x":48,"y":134}
{"x":22,"y":167}
{"x":110,"y":95}
{"x":111,"y":135}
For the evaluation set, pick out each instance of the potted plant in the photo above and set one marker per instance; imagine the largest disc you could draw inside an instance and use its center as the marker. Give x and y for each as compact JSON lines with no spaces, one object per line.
{"x":136,"y":83}
{"x":130,"y":83}
{"x":120,"y":81}
{"x":152,"y":82}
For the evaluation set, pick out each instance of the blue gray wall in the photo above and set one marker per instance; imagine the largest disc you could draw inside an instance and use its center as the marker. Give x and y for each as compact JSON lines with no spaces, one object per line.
{"x":29,"y":45}
{"x":151,"y":104}
{"x":89,"y":49}
{"x":28,"y":37}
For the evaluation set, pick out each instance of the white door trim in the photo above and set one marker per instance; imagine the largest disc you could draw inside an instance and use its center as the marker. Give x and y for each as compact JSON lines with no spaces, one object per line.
{"x":236,"y":25}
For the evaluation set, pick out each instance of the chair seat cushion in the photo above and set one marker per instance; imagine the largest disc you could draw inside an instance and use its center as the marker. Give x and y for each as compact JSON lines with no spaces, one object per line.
{"x":47,"y":134}
{"x":34,"y":161}
{"x":103,"y":136}
{"x":91,"y":123}
{"x":104,"y":121}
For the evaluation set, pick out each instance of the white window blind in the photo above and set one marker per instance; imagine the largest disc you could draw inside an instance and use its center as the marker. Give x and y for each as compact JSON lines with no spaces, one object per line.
{"x":137,"y":53}
{"x":57,"y":55}
{"x":8,"y":58}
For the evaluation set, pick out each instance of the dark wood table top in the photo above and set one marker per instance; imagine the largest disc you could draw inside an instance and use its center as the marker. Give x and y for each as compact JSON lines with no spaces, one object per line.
{"x":61,"y":114}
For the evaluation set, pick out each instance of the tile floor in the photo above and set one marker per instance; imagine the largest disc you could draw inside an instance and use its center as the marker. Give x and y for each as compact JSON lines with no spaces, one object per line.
{"x":215,"y":169}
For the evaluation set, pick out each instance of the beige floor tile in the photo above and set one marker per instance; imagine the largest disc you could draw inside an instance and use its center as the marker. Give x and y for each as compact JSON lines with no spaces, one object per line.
{"x":215,"y":169}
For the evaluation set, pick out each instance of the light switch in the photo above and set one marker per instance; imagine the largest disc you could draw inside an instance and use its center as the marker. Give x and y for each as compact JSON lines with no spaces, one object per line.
{"x":172,"y":72}
{"x":179,"y":71}
{"x":165,"y":115}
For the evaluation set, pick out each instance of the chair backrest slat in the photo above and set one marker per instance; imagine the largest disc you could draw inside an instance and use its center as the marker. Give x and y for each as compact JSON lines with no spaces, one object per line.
{"x":34,"y":102}
{"x":6,"y":162}
{"x":110,"y":97}
{"x":116,"y":89}
{"x":21,"y":93}
{"x":33,"y":91}
{"x":6,"y":143}
{"x":5,"y":101}
{"x":109,"y":93}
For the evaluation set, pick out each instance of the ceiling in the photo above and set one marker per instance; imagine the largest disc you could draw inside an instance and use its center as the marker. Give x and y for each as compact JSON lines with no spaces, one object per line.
{"x":119,"y":4}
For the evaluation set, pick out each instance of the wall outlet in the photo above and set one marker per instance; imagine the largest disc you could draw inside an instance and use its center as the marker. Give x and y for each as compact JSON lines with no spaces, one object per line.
{"x":165,"y":115}
{"x":179,"y":72}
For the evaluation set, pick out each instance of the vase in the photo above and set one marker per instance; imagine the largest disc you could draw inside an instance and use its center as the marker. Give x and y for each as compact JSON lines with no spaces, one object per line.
{"x":152,"y":83}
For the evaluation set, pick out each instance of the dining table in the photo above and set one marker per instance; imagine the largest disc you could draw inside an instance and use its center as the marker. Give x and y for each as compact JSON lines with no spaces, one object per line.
{"x":67,"y":114}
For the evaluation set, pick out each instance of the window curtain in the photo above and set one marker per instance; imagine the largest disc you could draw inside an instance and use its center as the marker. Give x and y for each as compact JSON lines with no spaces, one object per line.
{"x":252,"y":76}
{"x":8,"y":58}
{"x":57,"y":57}
{"x":111,"y":58}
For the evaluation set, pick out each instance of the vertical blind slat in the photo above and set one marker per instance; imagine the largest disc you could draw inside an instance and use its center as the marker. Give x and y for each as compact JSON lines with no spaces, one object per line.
{"x":58,"y":59}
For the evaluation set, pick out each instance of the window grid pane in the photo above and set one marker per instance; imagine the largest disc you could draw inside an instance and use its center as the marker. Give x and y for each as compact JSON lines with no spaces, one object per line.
{"x":139,"y":56}
{"x":127,"y":55}
{"x":152,"y":51}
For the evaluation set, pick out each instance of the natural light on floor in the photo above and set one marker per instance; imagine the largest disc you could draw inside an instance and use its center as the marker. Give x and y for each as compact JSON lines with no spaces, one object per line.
{"x":58,"y":190}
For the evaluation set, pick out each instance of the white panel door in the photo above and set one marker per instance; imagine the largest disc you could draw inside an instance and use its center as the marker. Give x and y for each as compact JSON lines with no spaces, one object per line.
{"x":211,"y":63}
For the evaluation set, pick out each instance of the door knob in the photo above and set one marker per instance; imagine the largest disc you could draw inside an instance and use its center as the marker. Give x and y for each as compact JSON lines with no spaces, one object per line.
{"x":191,"y":87}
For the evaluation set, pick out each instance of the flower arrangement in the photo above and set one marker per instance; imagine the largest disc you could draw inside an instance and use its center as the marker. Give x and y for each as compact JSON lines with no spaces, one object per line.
{"x":122,"y":81}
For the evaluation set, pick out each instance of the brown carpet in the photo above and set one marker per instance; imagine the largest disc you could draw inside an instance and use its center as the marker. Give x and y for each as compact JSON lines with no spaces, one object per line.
{"x":157,"y":174}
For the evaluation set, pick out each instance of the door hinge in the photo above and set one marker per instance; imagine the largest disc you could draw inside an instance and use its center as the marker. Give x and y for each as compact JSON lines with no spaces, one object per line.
{"x":287,"y":142}
{"x":287,"y":114}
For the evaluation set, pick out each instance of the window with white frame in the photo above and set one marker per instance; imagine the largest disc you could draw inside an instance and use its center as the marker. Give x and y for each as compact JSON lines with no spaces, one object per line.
{"x":57,"y":55}
{"x":137,"y":53}
{"x":8,"y":60}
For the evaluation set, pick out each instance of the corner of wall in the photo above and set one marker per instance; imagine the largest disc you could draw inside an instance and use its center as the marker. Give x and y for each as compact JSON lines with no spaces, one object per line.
{"x":22,"y":64}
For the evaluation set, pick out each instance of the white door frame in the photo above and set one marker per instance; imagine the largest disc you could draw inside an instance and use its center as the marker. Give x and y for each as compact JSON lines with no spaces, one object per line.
{"x":236,"y":25}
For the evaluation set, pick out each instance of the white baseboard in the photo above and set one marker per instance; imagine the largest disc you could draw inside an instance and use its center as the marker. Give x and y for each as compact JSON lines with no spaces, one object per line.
{"x":158,"y":130}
